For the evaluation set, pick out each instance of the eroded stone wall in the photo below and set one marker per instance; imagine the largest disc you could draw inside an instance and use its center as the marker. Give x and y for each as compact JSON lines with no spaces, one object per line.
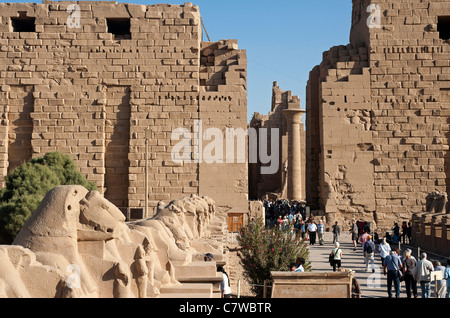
{"x":379,"y":114}
{"x":90,"y":90}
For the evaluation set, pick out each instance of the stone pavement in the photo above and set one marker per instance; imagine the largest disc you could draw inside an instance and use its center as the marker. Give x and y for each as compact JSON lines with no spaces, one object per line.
{"x":373,"y":285}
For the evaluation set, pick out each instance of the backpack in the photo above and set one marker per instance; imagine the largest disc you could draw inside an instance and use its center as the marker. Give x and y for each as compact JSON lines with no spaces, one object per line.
{"x":369,"y":249}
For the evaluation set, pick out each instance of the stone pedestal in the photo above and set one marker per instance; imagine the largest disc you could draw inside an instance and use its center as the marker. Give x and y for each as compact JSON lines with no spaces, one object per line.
{"x":311,"y":285}
{"x":293,"y":117}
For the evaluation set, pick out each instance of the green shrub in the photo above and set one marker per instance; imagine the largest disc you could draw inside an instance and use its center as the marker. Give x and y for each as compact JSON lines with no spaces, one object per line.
{"x":265,"y":250}
{"x":27,"y":185}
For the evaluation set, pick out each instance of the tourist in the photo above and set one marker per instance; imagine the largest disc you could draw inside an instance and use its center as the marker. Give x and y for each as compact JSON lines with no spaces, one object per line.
{"x":303,"y":229}
{"x":396,"y":236}
{"x":291,"y":218}
{"x":354,"y":231}
{"x":321,"y":231}
{"x":366,"y":227}
{"x":447,"y":277}
{"x":336,"y":257}
{"x":300,"y":265}
{"x":385,"y":249}
{"x":409,"y":264}
{"x":409,"y":232}
{"x":280,"y":222}
{"x":363,"y":239}
{"x":293,"y":267}
{"x":208,"y":257}
{"x":336,"y":232}
{"x":312,"y":228}
{"x":369,"y":253}
{"x":297,"y":226}
{"x":441,"y":285}
{"x":404,"y":230}
{"x":285,"y":222}
{"x":225,"y":290}
{"x":356,"y":289}
{"x":422,"y":274}
{"x":391,"y":267}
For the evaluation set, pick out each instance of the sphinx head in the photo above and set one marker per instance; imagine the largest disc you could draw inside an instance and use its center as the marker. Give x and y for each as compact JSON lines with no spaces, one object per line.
{"x":99,"y":218}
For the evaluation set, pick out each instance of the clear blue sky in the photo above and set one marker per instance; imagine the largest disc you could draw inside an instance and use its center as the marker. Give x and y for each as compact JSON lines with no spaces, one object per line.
{"x":284,"y":39}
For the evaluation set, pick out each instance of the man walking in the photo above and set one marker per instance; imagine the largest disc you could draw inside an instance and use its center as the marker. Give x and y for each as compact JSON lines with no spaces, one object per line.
{"x":354,"y":231}
{"x":312,"y":228}
{"x":392,"y":265}
{"x":320,"y":231}
{"x":369,"y":253}
{"x":336,"y":232}
{"x":422,"y":274}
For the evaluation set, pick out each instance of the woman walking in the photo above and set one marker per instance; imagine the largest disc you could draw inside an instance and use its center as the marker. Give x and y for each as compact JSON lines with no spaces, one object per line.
{"x":336,"y":257}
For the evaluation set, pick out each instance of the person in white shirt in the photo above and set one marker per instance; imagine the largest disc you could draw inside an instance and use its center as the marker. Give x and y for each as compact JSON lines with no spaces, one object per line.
{"x":385,"y":250}
{"x":225,"y":290}
{"x":299,"y":263}
{"x":312,"y":228}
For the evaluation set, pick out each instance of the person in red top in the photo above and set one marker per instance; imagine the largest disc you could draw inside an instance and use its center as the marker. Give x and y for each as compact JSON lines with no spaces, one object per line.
{"x":280,"y":221}
{"x":363,"y":239}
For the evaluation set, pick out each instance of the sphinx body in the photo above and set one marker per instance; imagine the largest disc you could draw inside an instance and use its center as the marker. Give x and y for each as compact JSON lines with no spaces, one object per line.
{"x":89,"y":250}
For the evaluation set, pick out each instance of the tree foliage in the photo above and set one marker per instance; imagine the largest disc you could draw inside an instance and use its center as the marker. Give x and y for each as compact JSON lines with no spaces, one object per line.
{"x":27,"y":185}
{"x":265,"y":250}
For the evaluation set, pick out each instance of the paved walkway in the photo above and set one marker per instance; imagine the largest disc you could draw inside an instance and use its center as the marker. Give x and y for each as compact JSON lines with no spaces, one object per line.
{"x":373,"y":285}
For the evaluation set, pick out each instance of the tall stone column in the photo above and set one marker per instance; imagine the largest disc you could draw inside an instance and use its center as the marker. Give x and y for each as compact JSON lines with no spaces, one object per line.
{"x":293,"y":117}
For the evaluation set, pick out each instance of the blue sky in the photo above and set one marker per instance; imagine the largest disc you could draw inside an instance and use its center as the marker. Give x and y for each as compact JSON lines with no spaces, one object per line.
{"x":284,"y":39}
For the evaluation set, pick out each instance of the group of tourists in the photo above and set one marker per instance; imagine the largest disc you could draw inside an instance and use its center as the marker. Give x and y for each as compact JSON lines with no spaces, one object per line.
{"x":285,"y":209}
{"x":397,"y":267}
{"x":292,"y":216}
{"x":405,"y":268}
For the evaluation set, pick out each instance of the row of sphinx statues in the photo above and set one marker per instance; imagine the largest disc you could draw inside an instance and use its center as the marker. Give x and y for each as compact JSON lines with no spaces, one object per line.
{"x":78,"y":244}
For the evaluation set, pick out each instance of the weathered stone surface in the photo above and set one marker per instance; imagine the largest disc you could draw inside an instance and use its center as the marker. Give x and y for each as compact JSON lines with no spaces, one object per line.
{"x":77,"y":244}
{"x":90,"y":89}
{"x":311,"y":285}
{"x":377,"y":125}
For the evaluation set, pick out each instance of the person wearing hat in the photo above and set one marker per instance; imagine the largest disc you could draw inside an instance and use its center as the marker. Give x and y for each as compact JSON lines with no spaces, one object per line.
{"x":208,"y":257}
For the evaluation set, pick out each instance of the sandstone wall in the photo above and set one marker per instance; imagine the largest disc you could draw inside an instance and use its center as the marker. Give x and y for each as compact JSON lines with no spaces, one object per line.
{"x":223,"y":105}
{"x":87,"y":92}
{"x":379,"y":114}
